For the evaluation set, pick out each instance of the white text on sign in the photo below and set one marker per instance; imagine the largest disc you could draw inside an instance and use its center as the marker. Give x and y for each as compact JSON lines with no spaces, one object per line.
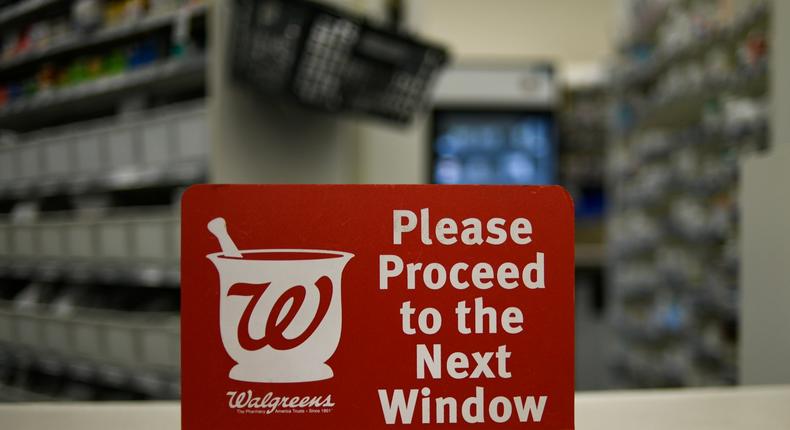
{"x":473,"y":317}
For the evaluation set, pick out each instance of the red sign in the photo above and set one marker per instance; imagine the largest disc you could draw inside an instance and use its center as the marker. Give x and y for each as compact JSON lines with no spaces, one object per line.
{"x":372,"y":307}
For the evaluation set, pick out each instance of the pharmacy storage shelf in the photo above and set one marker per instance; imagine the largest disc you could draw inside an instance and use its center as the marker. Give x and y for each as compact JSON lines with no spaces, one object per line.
{"x":139,"y":248}
{"x":644,"y":28}
{"x":684,"y":105}
{"x":650,"y":69}
{"x":153,"y":384}
{"x":682,"y":120}
{"x":161,"y":147}
{"x":168,"y":76}
{"x":24,"y":8}
{"x":104,"y":123}
{"x":81,"y":41}
{"x":12,"y":394}
{"x":146,"y":341}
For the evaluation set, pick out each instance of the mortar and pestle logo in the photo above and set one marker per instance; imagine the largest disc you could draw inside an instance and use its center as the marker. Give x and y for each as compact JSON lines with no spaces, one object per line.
{"x":280,"y":309}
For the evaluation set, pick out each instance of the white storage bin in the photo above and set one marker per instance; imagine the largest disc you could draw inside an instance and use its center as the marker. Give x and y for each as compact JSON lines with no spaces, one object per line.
{"x":29,"y":329}
{"x":23,"y":240}
{"x":159,"y":345}
{"x":121,"y":150}
{"x":7,"y":165}
{"x":114,"y":239}
{"x":175,"y":234}
{"x":5,"y":239}
{"x":52,"y":239}
{"x":80,"y":241}
{"x":157,"y":143}
{"x":87,"y":336}
{"x":7,"y":324}
{"x":151,"y":239}
{"x":191,"y":136}
{"x":120,"y":341}
{"x":175,"y":346}
{"x":88,"y":154}
{"x":56,"y":335}
{"x":28,"y":161}
{"x":57,"y":161}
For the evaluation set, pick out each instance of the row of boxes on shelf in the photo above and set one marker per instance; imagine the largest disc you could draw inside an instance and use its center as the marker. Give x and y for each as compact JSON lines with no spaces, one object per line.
{"x":681,"y":44}
{"x":709,"y":359}
{"x":143,"y":341}
{"x":22,"y":380}
{"x":87,"y":20}
{"x":685,"y":219}
{"x":158,"y":146}
{"x":10,"y":394}
{"x":139,"y":240}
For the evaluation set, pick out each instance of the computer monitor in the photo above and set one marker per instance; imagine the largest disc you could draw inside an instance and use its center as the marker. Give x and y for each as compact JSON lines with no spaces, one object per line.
{"x":485,"y":146}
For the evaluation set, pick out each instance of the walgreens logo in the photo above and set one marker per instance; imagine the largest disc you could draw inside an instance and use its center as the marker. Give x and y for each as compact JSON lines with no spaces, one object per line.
{"x":270,"y":403}
{"x":281,"y":307}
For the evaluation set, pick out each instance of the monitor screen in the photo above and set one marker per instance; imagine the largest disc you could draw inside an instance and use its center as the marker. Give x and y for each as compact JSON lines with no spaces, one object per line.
{"x":493,"y":147}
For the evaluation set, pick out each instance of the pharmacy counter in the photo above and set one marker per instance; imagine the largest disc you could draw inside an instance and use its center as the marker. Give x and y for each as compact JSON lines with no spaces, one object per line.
{"x":764,"y":408}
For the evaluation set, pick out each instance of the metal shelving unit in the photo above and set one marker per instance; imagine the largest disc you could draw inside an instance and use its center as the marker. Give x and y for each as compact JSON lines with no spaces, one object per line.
{"x":90,"y":178}
{"x":172,"y":75}
{"x":650,"y":69}
{"x":25,"y":8}
{"x":582,"y":142}
{"x":81,"y":41}
{"x":685,"y":115}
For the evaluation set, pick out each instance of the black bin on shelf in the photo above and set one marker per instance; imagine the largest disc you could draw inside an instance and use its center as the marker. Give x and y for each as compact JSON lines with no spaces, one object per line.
{"x":330,"y":60}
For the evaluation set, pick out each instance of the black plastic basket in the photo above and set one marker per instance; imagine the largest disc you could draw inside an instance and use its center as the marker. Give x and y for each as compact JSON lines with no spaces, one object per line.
{"x":329,"y":59}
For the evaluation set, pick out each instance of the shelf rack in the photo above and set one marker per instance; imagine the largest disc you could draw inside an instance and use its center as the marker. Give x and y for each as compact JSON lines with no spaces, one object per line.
{"x":683,"y":107}
{"x":167,"y":76}
{"x":81,"y":41}
{"x":647,"y":71}
{"x":23,"y":9}
{"x":121,"y":347}
{"x":165,"y":147}
{"x":90,"y":177}
{"x":673,"y":181}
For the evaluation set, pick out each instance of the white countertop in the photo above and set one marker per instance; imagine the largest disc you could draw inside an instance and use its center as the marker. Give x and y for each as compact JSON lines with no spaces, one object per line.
{"x":752,"y":408}
{"x":758,"y":408}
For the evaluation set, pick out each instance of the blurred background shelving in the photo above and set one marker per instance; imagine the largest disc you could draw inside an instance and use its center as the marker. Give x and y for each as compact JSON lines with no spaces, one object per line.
{"x":102,"y":107}
{"x":690,"y":99}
